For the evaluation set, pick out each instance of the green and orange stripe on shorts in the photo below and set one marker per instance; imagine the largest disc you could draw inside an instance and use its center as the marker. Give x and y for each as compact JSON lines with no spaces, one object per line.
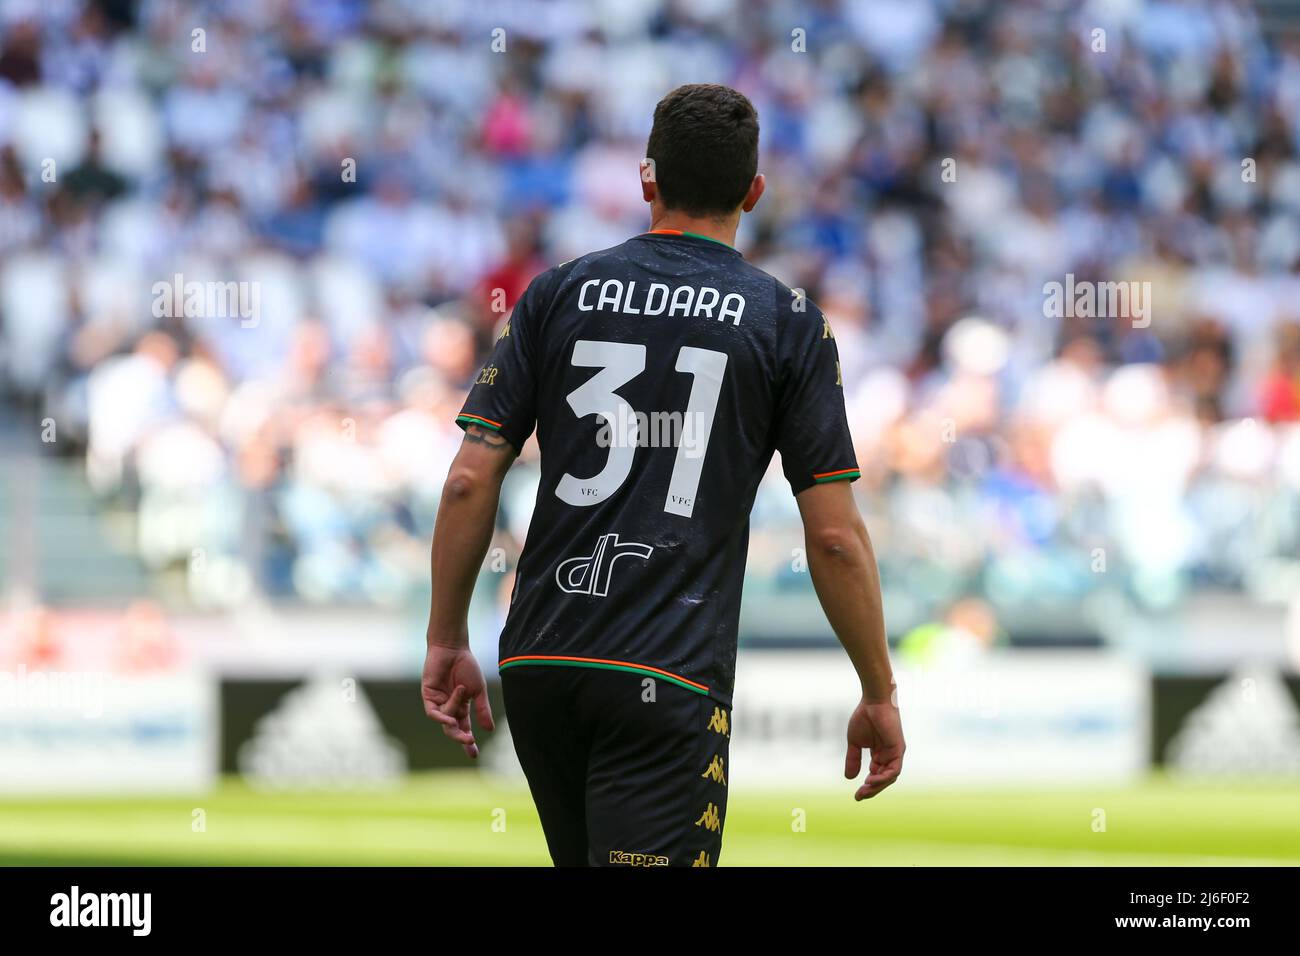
{"x":599,"y":663}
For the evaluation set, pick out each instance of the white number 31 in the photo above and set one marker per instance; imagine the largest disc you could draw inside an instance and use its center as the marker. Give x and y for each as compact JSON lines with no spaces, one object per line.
{"x":619,"y":363}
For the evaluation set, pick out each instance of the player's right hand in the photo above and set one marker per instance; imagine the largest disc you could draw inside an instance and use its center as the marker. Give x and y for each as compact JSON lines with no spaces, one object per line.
{"x":878,"y":729}
{"x":451,"y":683}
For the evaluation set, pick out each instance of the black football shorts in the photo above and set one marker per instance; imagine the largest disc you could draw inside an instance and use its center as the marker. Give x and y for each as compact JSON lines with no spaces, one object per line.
{"x":625,"y":769}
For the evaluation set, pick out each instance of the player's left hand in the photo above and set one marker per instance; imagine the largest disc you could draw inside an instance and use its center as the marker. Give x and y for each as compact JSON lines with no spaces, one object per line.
{"x":875,"y":727}
{"x":451,"y":683}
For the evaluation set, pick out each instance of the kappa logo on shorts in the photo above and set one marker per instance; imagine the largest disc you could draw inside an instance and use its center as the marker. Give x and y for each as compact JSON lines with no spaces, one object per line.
{"x":701,"y":860}
{"x":710,"y":819}
{"x":624,"y":858}
{"x":591,"y":573}
{"x":718,"y":722}
{"x":714,"y":771}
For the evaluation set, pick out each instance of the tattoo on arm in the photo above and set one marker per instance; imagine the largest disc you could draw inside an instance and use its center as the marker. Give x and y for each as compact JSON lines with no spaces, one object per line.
{"x":482,"y":436}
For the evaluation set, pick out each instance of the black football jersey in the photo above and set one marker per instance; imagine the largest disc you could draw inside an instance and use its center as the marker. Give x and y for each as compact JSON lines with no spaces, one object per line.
{"x":660,"y":375}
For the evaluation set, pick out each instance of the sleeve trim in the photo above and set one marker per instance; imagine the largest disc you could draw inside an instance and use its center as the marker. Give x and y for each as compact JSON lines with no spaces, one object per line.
{"x":847,"y":474}
{"x":479,"y":420}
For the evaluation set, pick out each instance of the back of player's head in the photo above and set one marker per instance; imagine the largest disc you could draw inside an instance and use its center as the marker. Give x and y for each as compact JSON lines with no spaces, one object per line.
{"x":704,"y":144}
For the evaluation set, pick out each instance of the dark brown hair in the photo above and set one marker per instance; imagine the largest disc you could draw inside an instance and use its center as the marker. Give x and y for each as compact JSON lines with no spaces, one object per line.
{"x":704,"y":144}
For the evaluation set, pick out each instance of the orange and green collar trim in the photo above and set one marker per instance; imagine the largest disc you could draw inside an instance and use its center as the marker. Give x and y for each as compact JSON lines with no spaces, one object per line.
{"x":683,"y":232}
{"x":845,"y":474}
{"x":479,"y":420}
{"x":598,"y":663}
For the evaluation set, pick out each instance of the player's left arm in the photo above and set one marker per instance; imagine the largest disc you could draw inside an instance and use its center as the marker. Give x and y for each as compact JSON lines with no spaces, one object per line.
{"x":819,"y":460}
{"x":452,"y":682}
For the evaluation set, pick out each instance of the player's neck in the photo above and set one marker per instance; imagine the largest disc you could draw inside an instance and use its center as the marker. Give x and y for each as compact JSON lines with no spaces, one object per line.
{"x":720,"y":230}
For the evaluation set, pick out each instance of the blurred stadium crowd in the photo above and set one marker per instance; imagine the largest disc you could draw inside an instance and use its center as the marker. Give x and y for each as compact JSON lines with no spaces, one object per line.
{"x":1008,"y":454}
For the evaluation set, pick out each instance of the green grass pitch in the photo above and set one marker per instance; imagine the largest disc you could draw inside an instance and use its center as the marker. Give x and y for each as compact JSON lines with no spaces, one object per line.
{"x":460,"y":818}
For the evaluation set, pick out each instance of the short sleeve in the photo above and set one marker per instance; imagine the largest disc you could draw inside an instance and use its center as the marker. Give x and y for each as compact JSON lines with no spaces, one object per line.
{"x":812,"y":429}
{"x":504,"y":395}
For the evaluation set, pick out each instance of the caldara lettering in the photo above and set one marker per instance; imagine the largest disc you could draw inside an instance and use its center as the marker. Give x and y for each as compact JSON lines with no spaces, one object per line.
{"x":75,"y":908}
{"x":683,"y":301}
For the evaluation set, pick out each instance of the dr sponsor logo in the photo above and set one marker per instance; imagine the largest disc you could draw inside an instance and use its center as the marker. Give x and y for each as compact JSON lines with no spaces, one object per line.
{"x":591,"y":573}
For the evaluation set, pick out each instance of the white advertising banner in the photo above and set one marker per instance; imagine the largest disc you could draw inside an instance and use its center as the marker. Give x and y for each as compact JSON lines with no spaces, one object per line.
{"x":89,"y":732}
{"x":1039,"y":717}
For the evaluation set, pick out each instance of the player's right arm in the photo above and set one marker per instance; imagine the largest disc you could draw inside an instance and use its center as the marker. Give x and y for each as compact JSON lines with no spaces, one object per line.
{"x":498,"y":417}
{"x":843,"y":569}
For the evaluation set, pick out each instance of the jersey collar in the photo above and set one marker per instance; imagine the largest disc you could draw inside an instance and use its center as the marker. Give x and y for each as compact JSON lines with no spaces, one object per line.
{"x":693,"y":235}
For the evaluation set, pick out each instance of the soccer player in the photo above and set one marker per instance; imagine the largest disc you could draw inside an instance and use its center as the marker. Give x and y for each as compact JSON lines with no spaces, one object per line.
{"x":660,"y":375}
